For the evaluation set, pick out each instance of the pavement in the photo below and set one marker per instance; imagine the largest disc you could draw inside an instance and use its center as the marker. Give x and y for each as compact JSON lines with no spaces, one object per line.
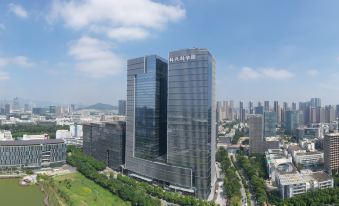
{"x":220,"y":197}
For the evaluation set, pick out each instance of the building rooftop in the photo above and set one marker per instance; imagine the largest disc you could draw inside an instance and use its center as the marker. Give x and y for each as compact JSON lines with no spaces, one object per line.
{"x":294,"y":147}
{"x":333,"y":134}
{"x":291,"y":178}
{"x":30,"y":142}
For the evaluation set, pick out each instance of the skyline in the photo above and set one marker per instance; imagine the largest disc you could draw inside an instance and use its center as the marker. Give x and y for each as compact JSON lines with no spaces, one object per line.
{"x":263,"y":52}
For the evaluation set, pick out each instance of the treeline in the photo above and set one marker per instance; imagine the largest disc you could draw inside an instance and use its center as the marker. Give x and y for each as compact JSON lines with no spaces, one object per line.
{"x":231,"y":181}
{"x":18,"y":130}
{"x":253,"y":169}
{"x":238,"y":133}
{"x":128,"y":189}
{"x":314,"y":198}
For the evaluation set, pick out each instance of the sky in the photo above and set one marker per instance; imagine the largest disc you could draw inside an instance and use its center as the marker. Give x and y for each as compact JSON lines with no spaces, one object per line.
{"x":75,"y":51}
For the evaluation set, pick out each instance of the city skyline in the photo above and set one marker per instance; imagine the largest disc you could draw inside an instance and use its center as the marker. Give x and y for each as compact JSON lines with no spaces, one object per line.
{"x":270,"y":55}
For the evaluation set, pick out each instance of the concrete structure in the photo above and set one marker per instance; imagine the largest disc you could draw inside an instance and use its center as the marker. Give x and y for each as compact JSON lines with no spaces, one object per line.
{"x":291,"y":184}
{"x":258,"y":142}
{"x":106,"y":142}
{"x":331,"y":150}
{"x":35,"y":137}
{"x":33,"y":154}
{"x":5,"y":135}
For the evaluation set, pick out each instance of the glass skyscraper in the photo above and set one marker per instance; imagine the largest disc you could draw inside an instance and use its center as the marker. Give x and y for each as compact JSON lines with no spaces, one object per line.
{"x":191,"y":115}
{"x":270,"y":124}
{"x":171,"y":120}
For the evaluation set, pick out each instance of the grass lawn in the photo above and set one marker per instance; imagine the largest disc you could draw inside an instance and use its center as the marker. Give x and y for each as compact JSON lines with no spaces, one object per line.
{"x":84,"y":192}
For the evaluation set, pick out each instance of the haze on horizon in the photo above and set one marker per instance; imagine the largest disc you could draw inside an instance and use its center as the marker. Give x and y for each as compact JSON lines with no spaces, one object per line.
{"x":75,"y":51}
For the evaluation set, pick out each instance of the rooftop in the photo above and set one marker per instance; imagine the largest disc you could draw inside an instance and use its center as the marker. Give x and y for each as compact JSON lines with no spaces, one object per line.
{"x":30,"y":142}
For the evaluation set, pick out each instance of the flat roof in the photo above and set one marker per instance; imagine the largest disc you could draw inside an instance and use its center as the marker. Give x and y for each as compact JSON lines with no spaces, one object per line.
{"x":30,"y":142}
{"x":321,"y":176}
{"x":333,"y":134}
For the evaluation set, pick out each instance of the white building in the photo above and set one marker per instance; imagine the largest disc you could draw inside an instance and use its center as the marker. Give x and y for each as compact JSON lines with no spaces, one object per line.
{"x":291,"y":184}
{"x":5,"y":135}
{"x":35,"y":137}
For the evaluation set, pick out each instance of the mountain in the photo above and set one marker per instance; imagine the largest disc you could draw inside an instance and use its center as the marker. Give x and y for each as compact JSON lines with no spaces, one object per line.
{"x":101,"y":106}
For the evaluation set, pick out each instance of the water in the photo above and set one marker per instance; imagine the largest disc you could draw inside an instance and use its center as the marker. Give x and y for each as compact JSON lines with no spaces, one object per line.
{"x":12,"y":194}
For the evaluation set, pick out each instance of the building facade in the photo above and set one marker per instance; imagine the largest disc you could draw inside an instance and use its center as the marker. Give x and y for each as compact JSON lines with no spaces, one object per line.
{"x":270,"y":124}
{"x":32,"y":154}
{"x":331,"y":152}
{"x":122,"y":107}
{"x":291,"y":122}
{"x":105,"y":142}
{"x":171,"y":120}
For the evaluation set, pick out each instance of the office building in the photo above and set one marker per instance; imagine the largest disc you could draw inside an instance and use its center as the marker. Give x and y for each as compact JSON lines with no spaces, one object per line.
{"x":294,"y":106}
{"x":27,"y":108}
{"x":39,"y":111}
{"x":184,"y":159}
{"x":241,"y":112}
{"x":330,"y":114}
{"x":266,"y":106}
{"x":250,"y":107}
{"x":259,"y":109}
{"x":315,"y":102}
{"x":7,"y":109}
{"x":277,"y":111}
{"x":291,"y":122}
{"x":105,"y":142}
{"x":218,"y":112}
{"x":256,"y":134}
{"x":270,"y":124}
{"x":16,"y":104}
{"x":33,"y":154}
{"x":331,"y":152}
{"x":122,"y":107}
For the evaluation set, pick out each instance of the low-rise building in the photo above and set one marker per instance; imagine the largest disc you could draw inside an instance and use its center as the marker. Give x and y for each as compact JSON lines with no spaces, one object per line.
{"x":105,"y":142}
{"x":295,"y":183}
{"x":32,"y":154}
{"x":5,"y":135}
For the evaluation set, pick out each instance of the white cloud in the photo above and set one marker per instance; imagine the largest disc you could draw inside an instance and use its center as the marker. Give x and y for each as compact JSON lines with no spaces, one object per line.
{"x":18,"y":10}
{"x":312,"y":72}
{"x":248,"y":73}
{"x":17,"y":60}
{"x":95,"y":58}
{"x":276,"y":73}
{"x":119,"y":20}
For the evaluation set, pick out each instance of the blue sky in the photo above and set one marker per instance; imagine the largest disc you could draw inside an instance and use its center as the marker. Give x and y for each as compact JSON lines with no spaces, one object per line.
{"x":72,"y":51}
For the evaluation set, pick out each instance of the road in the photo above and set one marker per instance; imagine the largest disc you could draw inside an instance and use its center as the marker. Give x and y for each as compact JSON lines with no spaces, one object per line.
{"x":220,"y":196}
{"x":242,"y":187}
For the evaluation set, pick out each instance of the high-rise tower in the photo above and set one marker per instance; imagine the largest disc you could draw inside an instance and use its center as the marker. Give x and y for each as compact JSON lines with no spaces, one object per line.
{"x":171,"y":120}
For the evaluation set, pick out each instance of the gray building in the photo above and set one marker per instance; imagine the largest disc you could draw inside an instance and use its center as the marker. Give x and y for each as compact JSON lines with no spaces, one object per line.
{"x":32,"y":154}
{"x":261,"y":132}
{"x":184,"y":159}
{"x":105,"y":142}
{"x":291,"y":122}
{"x":270,"y":124}
{"x":122,"y":107}
{"x":256,"y":134}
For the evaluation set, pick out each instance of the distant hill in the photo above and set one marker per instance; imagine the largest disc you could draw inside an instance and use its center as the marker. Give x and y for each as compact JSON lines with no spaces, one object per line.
{"x":101,"y":106}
